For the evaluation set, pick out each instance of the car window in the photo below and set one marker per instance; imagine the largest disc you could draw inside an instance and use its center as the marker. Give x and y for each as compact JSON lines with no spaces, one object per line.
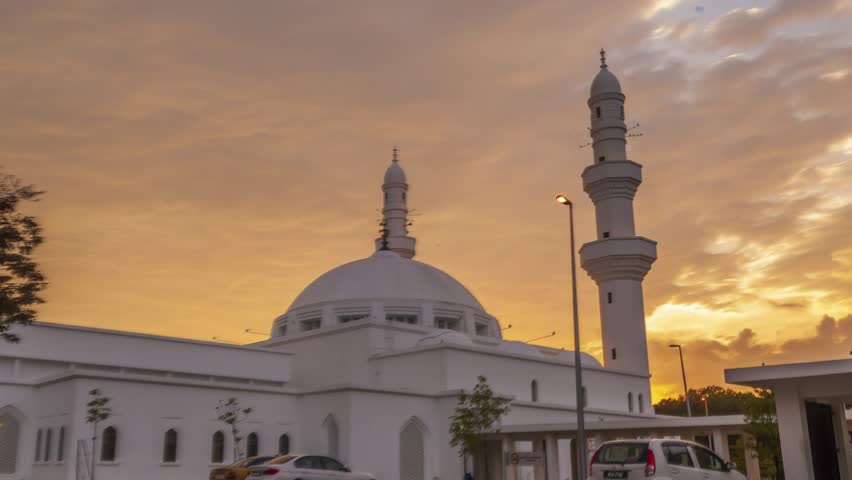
{"x":238,"y":464}
{"x":314,"y":463}
{"x":621,"y":453}
{"x":332,"y":464}
{"x":708,"y":460}
{"x":257,"y":461}
{"x":677,"y":455}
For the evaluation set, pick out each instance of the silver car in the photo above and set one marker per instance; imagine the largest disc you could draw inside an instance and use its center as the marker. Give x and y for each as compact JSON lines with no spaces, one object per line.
{"x":304,"y":467}
{"x":659,"y":460}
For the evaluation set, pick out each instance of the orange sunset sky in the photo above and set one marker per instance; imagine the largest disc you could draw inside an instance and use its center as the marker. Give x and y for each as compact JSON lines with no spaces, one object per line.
{"x":205,"y":160}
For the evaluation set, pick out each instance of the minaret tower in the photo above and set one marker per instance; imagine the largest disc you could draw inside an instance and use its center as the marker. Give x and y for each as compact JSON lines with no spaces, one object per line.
{"x":395,"y":211}
{"x":618,"y":260}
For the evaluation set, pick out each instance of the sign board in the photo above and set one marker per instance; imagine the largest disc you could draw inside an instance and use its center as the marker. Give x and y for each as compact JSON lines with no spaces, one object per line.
{"x":524,"y":458}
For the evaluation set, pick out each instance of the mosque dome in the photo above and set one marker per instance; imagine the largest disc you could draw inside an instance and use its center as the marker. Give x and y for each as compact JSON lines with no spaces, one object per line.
{"x":385,"y":275}
{"x":585,"y":358}
{"x":605,"y":82}
{"x":395,"y":174}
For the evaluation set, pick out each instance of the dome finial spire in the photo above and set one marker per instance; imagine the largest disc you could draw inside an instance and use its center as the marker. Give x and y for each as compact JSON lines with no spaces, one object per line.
{"x":395,"y":154}
{"x":603,"y":58}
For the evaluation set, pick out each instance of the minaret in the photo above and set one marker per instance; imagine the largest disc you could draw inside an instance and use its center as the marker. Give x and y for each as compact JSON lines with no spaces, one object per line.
{"x":395,"y":211}
{"x":618,"y":260}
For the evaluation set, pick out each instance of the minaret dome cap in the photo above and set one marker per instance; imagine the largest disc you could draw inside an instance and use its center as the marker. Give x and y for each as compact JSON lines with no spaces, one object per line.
{"x":605,"y":82}
{"x":395,"y":174}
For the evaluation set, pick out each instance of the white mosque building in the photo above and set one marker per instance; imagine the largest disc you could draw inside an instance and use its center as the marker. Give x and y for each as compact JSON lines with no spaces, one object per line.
{"x":365,"y":365}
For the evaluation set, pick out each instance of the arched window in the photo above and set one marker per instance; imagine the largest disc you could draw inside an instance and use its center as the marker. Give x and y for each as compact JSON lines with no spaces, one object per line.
{"x":284,"y":444}
{"x":60,"y":445}
{"x":641,"y":402}
{"x":251,"y":445}
{"x":170,"y":444}
{"x":109,"y":439}
{"x":332,"y":435}
{"x":48,"y":444}
{"x":217,"y":449}
{"x":534,"y":390}
{"x":38,"y":446}
{"x":411,"y":451}
{"x":9,"y":443}
{"x":630,"y":401}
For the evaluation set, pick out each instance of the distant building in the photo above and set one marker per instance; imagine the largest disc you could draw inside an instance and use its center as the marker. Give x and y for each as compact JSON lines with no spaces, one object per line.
{"x":365,"y":365}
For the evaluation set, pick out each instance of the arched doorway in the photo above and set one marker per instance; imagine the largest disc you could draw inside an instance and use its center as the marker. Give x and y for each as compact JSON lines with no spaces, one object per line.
{"x":412,"y":450}
{"x":332,"y":437}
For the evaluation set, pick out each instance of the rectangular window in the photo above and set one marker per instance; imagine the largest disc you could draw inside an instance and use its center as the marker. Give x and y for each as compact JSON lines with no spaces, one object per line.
{"x":598,"y":111}
{"x":614,"y":356}
{"x":605,"y":234}
{"x":311,"y":324}
{"x":401,"y":318}
{"x":602,"y":158}
{"x":481,"y":329}
{"x":608,"y":297}
{"x":352,"y":318}
{"x":448,"y":323}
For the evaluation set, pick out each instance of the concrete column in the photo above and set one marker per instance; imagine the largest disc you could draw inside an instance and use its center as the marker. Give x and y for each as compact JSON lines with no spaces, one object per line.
{"x":552,"y":459}
{"x":540,"y":469}
{"x":328,"y":319}
{"x":718,"y":443}
{"x":428,"y":315}
{"x":793,"y":429}
{"x":508,"y":446}
{"x":752,"y":464}
{"x":841,"y":438}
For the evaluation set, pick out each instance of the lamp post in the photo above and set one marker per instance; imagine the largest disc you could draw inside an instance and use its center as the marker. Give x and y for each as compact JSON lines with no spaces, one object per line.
{"x":683,"y":372}
{"x":578,"y":369}
{"x":706,"y":408}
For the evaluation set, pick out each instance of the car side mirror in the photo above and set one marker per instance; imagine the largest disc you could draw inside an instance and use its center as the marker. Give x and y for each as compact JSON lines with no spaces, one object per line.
{"x":730,"y":466}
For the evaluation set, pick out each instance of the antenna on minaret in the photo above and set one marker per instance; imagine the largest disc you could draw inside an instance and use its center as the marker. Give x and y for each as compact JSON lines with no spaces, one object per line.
{"x":603,"y":58}
{"x":635,"y":134}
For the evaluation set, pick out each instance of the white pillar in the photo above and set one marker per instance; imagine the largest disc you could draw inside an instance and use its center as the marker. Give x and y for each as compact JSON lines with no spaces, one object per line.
{"x":552,"y":449}
{"x":793,"y":429}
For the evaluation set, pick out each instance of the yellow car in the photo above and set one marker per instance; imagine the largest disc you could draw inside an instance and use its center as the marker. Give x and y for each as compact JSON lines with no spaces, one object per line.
{"x":238,"y":470}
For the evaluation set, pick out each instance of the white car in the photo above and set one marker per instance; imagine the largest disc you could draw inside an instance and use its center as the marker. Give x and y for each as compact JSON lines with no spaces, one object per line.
{"x":659,"y":460}
{"x":304,"y":467}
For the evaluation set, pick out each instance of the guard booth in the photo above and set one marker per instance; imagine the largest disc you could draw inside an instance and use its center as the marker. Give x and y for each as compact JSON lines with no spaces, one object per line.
{"x":812,"y":402}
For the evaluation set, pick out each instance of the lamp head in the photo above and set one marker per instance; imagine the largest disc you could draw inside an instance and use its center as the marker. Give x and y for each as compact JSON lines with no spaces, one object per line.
{"x":675,"y":345}
{"x":562,"y":199}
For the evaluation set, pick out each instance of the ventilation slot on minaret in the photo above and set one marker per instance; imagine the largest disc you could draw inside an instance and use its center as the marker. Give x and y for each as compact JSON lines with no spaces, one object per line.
{"x":598,"y":110}
{"x":602,"y":158}
{"x":605,"y":234}
{"x":614,"y":356}
{"x":609,"y":299}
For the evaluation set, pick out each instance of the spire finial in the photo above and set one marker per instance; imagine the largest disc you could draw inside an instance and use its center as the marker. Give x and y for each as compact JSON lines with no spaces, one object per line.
{"x":395,"y":155}
{"x":603,"y":58}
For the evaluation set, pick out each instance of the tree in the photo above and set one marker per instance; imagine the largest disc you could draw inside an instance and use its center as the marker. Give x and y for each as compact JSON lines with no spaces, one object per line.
{"x":763,"y":438}
{"x":476,"y":416}
{"x":97,"y":410}
{"x":20,"y":279}
{"x":720,"y":401}
{"x":232,"y":415}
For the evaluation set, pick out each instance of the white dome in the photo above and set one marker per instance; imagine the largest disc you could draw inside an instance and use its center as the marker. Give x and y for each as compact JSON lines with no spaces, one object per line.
{"x":605,"y":82}
{"x":394,"y":174}
{"x":385,"y":275}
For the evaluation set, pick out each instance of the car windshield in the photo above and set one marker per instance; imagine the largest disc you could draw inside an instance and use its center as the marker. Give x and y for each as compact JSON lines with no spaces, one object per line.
{"x":622,"y":453}
{"x":257,"y":461}
{"x":281,"y":460}
{"x":238,"y":464}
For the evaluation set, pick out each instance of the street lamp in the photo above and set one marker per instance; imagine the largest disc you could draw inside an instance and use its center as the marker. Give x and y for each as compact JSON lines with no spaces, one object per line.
{"x":683,"y":371}
{"x":706,"y":408}
{"x":578,"y":369}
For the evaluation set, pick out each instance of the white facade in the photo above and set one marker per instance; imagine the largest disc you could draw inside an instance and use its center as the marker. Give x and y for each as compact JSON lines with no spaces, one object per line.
{"x":365,"y":365}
